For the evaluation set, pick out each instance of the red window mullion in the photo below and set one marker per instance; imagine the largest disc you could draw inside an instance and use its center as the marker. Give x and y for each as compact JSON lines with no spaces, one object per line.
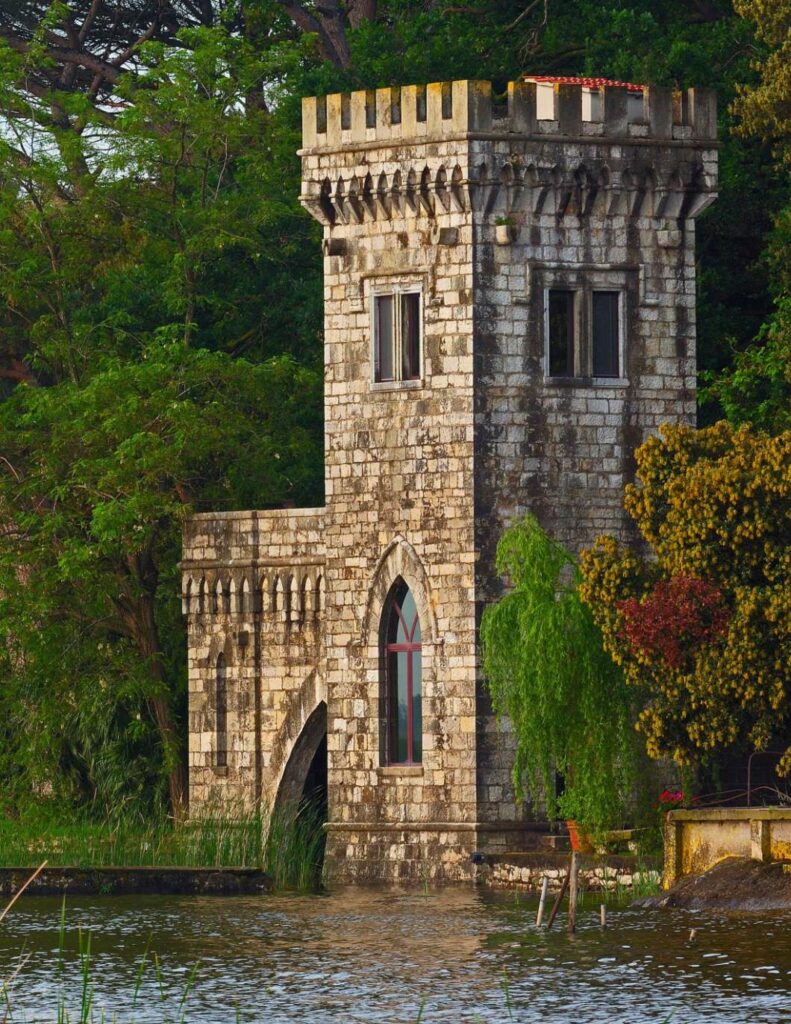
{"x":410,"y":725}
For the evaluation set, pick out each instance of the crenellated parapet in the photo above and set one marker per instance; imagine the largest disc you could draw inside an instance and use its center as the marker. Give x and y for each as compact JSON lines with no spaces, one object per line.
{"x":556,"y":147}
{"x":421,"y":113}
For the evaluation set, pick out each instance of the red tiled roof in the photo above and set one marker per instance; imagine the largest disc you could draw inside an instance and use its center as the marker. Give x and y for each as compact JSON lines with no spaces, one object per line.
{"x":589,"y":83}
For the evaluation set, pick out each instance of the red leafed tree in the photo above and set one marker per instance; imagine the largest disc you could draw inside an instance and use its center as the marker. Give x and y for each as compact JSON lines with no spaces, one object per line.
{"x":675,"y":618}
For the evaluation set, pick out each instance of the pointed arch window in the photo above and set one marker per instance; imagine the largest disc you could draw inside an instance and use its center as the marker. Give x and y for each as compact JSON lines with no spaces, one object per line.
{"x":221,"y":713}
{"x":402,"y":661}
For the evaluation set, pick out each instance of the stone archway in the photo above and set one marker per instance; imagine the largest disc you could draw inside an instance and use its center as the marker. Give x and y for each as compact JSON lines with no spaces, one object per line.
{"x":305,"y":774}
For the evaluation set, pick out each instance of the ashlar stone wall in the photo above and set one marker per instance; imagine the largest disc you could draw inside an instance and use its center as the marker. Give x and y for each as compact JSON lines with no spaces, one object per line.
{"x":253,"y":592}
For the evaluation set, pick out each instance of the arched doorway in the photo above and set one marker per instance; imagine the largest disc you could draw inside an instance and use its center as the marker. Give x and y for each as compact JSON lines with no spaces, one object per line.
{"x":314,"y":790}
{"x":300,"y":810}
{"x":305,"y":774}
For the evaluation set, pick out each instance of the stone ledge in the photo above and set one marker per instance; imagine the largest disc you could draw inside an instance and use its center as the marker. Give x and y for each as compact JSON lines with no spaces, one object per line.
{"x":435,"y":826}
{"x":259,"y":514}
{"x":726,"y":814}
{"x":121,"y":881}
{"x":400,"y":771}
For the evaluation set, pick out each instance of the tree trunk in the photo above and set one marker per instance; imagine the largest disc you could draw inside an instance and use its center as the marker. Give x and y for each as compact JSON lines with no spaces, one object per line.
{"x":360,"y":11}
{"x":147,"y":637}
{"x":177,"y":776}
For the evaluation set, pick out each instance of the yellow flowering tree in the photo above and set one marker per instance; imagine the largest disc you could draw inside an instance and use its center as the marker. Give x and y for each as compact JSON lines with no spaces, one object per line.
{"x":701,"y":621}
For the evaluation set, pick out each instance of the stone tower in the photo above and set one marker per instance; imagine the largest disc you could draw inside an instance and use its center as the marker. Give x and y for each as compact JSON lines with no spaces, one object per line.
{"x":509,"y":311}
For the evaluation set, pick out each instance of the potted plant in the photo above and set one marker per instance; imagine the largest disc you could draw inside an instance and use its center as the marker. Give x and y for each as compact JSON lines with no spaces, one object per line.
{"x":579,"y":839}
{"x":505,"y":230}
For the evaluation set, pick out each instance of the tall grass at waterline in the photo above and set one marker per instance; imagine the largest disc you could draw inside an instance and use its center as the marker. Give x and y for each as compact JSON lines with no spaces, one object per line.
{"x":295,"y":844}
{"x":236,"y":841}
{"x":289,"y":844}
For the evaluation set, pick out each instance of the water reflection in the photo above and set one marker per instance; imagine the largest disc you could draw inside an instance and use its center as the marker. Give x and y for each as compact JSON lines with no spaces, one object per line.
{"x":377,"y":956}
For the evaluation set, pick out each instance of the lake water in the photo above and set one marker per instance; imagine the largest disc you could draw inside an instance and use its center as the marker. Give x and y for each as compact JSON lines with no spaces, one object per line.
{"x":391,"y":957}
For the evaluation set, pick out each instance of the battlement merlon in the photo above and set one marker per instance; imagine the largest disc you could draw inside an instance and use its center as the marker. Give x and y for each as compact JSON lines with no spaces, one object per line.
{"x":413,"y":114}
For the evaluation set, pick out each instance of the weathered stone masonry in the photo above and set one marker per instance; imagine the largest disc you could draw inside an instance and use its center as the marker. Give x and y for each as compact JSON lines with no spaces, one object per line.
{"x":598,"y":192}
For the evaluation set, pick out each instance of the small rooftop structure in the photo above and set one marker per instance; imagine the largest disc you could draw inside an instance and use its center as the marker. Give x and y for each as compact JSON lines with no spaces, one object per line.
{"x":588,"y":83}
{"x":591,"y":95}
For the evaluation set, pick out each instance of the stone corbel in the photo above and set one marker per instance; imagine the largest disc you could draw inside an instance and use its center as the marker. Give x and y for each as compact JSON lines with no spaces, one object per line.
{"x":317,"y":209}
{"x":645,"y":298}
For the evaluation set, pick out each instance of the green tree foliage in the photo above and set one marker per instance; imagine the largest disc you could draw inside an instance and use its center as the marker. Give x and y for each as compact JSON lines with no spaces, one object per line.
{"x":145,"y":349}
{"x":98,"y":476}
{"x":764,"y":107}
{"x":757,"y":388}
{"x":547,"y":671}
{"x":701,"y":624}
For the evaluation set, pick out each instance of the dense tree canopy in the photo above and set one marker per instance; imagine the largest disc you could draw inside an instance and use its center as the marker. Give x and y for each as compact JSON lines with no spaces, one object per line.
{"x":702,"y":627}
{"x":150,"y":226}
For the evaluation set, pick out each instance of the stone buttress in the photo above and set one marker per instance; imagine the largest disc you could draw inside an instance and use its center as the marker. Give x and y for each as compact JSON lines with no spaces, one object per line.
{"x":577,"y":197}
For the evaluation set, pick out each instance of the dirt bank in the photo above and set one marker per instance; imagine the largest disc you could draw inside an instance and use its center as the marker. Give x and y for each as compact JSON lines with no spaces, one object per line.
{"x":734,"y":884}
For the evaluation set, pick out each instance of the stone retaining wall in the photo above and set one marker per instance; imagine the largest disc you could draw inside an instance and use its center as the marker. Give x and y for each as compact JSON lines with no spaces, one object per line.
{"x":696,"y":840}
{"x":120,"y":881}
{"x":596,"y":874}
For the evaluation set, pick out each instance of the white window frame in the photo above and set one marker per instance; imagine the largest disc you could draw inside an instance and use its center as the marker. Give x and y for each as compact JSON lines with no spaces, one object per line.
{"x":584,"y":284}
{"x":396,"y":289}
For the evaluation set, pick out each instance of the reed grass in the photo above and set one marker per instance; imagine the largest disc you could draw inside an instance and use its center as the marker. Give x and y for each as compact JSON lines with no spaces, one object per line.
{"x":294,"y":851}
{"x":74,"y":998}
{"x":289,"y":844}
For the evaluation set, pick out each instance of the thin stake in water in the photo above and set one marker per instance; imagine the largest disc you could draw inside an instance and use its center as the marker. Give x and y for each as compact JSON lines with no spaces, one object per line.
{"x":560,"y":895}
{"x":542,"y":901}
{"x":573,"y":894}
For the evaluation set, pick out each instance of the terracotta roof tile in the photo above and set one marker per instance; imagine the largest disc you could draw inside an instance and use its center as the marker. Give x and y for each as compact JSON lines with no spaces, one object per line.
{"x":589,"y":83}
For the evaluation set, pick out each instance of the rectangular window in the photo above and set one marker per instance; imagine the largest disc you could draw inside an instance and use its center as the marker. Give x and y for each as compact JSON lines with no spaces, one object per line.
{"x":583,"y":330}
{"x":560,"y":311}
{"x":410,"y":336}
{"x":397,"y":336}
{"x":605,"y":340}
{"x":384,"y":338}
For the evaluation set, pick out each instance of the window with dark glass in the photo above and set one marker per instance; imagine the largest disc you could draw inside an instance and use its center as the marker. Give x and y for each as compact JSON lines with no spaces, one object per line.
{"x":221,"y":712}
{"x":410,"y":336}
{"x":583,"y":333}
{"x":397,"y":328}
{"x":384,"y":340}
{"x":561,"y":333}
{"x":402,"y":663}
{"x":605,"y":334}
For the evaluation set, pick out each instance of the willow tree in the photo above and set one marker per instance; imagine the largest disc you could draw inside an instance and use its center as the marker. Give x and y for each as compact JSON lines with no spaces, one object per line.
{"x":549,"y":675}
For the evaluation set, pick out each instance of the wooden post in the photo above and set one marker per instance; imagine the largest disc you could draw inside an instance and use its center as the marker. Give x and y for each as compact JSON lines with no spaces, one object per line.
{"x":556,"y":906}
{"x":573,"y":894}
{"x":542,"y":901}
{"x":603,"y":914}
